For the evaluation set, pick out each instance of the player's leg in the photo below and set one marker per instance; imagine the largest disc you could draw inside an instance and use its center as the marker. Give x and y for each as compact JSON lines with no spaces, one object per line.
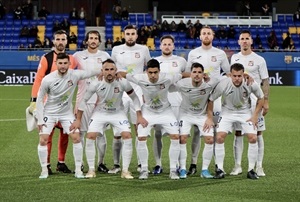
{"x":63,"y":141}
{"x":220,"y":154}
{"x":238,"y":147}
{"x":157,"y":150}
{"x":126,"y":154}
{"x":207,"y":151}
{"x":196,"y":145}
{"x":101,"y":143}
{"x":49,"y":149}
{"x":261,"y":146}
{"x":90,"y":153}
{"x":183,"y":156}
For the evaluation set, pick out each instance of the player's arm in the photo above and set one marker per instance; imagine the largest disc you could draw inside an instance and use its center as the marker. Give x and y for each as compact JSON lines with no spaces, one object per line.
{"x":40,"y":104}
{"x":209,"y":123}
{"x":266,"y":91}
{"x":185,"y":74}
{"x":42,"y":68}
{"x":259,"y":105}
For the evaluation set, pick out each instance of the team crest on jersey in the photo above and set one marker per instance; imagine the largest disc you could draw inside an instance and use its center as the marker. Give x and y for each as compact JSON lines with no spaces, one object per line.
{"x":250,"y":63}
{"x":70,"y":83}
{"x":288,"y":59}
{"x":116,"y":90}
{"x":245,"y":94}
{"x":202,"y":92}
{"x":174,"y":64}
{"x":162,"y":86}
{"x":137,"y":55}
{"x":214,"y":58}
{"x":99,"y":60}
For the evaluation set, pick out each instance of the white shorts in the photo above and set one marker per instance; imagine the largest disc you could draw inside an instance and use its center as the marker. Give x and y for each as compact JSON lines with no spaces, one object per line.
{"x":51,"y":121}
{"x":261,"y":126}
{"x":165,"y":119}
{"x":186,"y":121}
{"x":175,"y":110}
{"x":85,"y":120}
{"x":118,"y":120}
{"x":228,"y":119}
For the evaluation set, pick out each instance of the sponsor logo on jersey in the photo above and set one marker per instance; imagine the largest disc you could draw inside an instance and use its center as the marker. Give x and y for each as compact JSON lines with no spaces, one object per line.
{"x":137,"y":55}
{"x":288,"y":59}
{"x":250,"y":63}
{"x":214,"y":58}
{"x":116,"y":90}
{"x":174,"y":64}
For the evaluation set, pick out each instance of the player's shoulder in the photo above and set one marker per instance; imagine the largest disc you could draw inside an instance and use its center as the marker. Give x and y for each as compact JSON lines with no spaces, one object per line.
{"x":195,"y":50}
{"x":256,"y":56}
{"x":217,"y":50}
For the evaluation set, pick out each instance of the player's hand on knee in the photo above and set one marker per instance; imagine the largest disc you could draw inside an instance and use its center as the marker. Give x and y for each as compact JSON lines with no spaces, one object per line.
{"x":75,"y":125}
{"x":209,"y":123}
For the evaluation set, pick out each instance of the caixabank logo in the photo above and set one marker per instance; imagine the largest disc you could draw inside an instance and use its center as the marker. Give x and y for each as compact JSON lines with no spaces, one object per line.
{"x":17,"y":77}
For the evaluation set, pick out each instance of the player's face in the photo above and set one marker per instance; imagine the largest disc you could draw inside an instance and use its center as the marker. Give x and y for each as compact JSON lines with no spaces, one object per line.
{"x":93,"y":41}
{"x":245,"y":41}
{"x":153,"y":74}
{"x":109,"y":71}
{"x":206,"y":36}
{"x":196,"y":75}
{"x":130,"y":36}
{"x":60,"y":42}
{"x":167,"y":47}
{"x":237,"y":77}
{"x":62,"y":66}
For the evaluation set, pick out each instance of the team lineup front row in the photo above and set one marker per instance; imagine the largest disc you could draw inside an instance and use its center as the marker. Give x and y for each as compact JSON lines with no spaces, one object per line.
{"x":165,"y":93}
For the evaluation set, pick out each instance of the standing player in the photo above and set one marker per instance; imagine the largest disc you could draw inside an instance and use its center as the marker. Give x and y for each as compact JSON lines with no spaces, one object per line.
{"x":236,"y":108}
{"x":109,"y":109}
{"x":256,"y":67}
{"x":132,"y":58}
{"x":157,"y":111}
{"x":59,"y":87}
{"x":170,"y":64}
{"x":90,"y":58}
{"x":47,"y":65}
{"x":212,"y":59}
{"x":194,"y":110}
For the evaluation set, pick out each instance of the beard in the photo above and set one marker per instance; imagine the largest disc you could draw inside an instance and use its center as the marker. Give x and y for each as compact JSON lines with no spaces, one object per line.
{"x":206,"y":43}
{"x":130,"y":43}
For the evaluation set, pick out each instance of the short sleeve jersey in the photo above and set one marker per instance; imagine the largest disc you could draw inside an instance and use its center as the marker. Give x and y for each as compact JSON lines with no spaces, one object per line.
{"x":213,"y":60}
{"x":254,"y":65}
{"x":87,"y":60}
{"x":194,"y":99}
{"x":109,"y":94}
{"x":155,"y":94}
{"x":172,"y":65}
{"x":236,"y":99}
{"x":130,"y":59}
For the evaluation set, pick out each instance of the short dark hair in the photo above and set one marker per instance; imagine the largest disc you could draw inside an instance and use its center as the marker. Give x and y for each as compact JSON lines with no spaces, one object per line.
{"x":92,"y":32}
{"x":108,"y":61}
{"x":237,"y":67}
{"x":58,"y":32}
{"x":130,"y":27}
{"x":167,"y":37}
{"x":63,"y":56}
{"x":245,"y":31}
{"x":196,"y":65}
{"x":152,"y":64}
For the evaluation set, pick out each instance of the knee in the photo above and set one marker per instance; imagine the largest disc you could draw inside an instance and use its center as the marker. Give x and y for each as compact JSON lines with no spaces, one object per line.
{"x":91,"y":136}
{"x":208,"y":140}
{"x":174,"y":137}
{"x":220,"y":139}
{"x":252,"y":139}
{"x":43,"y":141}
{"x":142,"y":138}
{"x":126,"y":135}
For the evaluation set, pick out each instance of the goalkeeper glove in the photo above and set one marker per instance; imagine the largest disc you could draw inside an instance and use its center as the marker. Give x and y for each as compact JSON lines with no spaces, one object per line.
{"x":32,"y":105}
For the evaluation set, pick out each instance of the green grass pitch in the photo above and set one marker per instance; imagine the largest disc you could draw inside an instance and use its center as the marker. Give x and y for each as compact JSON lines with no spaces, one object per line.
{"x":19,"y":165}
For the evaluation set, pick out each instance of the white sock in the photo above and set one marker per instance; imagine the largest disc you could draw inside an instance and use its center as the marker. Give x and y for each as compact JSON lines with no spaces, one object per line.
{"x":238,"y":147}
{"x":43,"y":153}
{"x":182,"y":156}
{"x":101,"y":147}
{"x":126,"y":154}
{"x":82,"y":134}
{"x":157,"y":147}
{"x":252,"y":155}
{"x":90,"y":153}
{"x":77,"y":153}
{"x":261,"y":149}
{"x":137,"y":153}
{"x":196,"y":144}
{"x":207,"y":155}
{"x":117,"y":147}
{"x":220,"y":155}
{"x":174,"y":152}
{"x":143,"y":154}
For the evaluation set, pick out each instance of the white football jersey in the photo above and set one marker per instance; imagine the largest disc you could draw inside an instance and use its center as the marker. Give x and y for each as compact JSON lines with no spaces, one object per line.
{"x":254,"y":65}
{"x":86,"y":60}
{"x":213,"y":60}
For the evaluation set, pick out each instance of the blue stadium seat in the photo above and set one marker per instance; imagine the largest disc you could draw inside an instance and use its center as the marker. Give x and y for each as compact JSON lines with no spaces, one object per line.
{"x":183,"y":43}
{"x":108,"y":17}
{"x":81,"y":23}
{"x":191,"y":43}
{"x":49,"y":23}
{"x":25,"y":22}
{"x":33,"y":22}
{"x":148,"y":20}
{"x":50,"y":17}
{"x":289,"y":18}
{"x":9,"y":16}
{"x":182,"y":35}
{"x":73,"y":22}
{"x":117,"y":23}
{"x":281,"y":18}
{"x":9,"y":23}
{"x":41,"y":22}
{"x":132,"y":19}
{"x":157,"y":42}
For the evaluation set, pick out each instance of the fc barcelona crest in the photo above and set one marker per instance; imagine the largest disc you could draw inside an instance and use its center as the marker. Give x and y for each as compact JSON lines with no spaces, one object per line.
{"x":213,"y":58}
{"x":288,"y":59}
